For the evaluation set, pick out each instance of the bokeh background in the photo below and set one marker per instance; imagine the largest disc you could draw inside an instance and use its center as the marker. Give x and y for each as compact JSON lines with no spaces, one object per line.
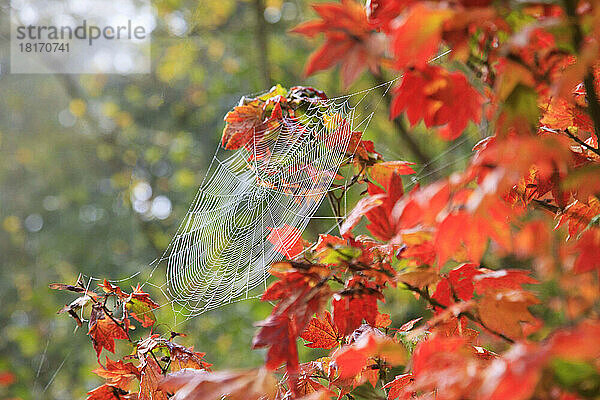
{"x":96,"y":172}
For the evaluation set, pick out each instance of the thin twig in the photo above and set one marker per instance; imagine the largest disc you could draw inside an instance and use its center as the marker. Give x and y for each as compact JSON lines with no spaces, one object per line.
{"x":581,"y":142}
{"x":336,"y":211}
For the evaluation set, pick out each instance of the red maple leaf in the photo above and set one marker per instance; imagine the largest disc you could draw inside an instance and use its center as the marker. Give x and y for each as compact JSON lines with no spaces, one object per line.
{"x":502,"y":279}
{"x":561,"y":114}
{"x":447,"y":365}
{"x":472,"y":232}
{"x":588,"y":250}
{"x":384,"y":193}
{"x":430,"y":94}
{"x":103,"y":330}
{"x":321,"y":332}
{"x":301,"y":291}
{"x":397,"y":388}
{"x":118,"y":373}
{"x":357,"y":302}
{"x":353,"y":359}
{"x":107,"y":392}
{"x":418,"y":36}
{"x":243,"y":124}
{"x":459,"y":284}
{"x":287,"y":240}
{"x":349,"y":40}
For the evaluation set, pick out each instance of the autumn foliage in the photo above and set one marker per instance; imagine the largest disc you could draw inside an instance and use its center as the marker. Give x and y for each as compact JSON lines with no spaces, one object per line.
{"x":477,"y":247}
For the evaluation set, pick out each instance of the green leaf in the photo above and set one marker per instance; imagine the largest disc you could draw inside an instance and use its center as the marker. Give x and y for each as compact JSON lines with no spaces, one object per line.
{"x":577,"y":376}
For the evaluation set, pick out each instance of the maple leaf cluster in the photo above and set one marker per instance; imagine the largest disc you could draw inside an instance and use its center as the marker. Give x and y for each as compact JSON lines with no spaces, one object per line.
{"x":504,"y":255}
{"x":110,"y":313}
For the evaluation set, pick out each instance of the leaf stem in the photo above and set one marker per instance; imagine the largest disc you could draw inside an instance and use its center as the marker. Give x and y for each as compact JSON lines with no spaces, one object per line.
{"x":582,"y":143}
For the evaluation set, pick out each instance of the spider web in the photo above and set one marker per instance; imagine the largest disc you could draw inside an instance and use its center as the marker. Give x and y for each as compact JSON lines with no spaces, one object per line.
{"x":193,"y":286}
{"x":255,"y":202}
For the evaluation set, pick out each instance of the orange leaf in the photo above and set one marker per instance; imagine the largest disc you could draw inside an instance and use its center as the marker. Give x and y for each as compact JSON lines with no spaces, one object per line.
{"x":352,"y":359}
{"x":150,"y":380}
{"x":241,"y":125}
{"x":103,"y":331}
{"x":502,"y":279}
{"x":107,"y":392}
{"x":118,"y":373}
{"x":420,"y":278}
{"x":321,"y":332}
{"x":504,"y":311}
{"x":182,"y":357}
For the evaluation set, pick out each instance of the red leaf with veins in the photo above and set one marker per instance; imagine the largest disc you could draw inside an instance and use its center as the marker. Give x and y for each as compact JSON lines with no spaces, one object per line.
{"x":349,"y":40}
{"x":242,"y":124}
{"x":430,"y":94}
{"x":287,"y":240}
{"x":301,"y":291}
{"x":321,"y":332}
{"x":150,"y":381}
{"x":397,"y":389}
{"x":382,"y":225}
{"x":357,"y":302}
{"x":118,"y":373}
{"x":103,"y":330}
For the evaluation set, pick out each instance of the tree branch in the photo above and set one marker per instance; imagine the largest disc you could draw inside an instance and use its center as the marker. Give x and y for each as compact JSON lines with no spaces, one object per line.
{"x":570,"y":7}
{"x":336,"y":211}
{"x":581,"y":142}
{"x":424,"y":294}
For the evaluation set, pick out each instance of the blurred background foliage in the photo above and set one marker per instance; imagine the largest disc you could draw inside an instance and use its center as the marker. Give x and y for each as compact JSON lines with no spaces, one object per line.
{"x":96,"y":171}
